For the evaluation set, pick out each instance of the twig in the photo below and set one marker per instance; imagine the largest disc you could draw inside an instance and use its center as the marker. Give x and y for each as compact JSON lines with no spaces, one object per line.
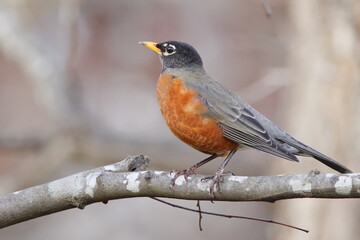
{"x":200,"y":215}
{"x":231,"y":216}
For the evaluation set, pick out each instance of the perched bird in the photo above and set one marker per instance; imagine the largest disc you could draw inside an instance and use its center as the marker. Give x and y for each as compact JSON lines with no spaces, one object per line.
{"x":212,"y":119}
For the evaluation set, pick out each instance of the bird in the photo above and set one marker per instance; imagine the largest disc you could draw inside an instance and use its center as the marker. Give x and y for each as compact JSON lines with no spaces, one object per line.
{"x":209,"y":117}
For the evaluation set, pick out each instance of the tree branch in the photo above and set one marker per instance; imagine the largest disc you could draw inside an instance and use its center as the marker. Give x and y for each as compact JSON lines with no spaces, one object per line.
{"x":127,"y":179}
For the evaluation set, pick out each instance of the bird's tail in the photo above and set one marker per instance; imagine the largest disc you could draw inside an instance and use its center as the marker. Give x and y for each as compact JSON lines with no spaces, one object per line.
{"x":305,"y":150}
{"x":332,"y":163}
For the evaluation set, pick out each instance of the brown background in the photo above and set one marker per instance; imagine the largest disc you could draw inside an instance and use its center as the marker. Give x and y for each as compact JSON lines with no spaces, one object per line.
{"x":77,"y":91}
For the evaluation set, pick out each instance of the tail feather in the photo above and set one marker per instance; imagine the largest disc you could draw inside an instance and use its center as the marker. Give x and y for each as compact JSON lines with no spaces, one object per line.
{"x":332,"y":164}
{"x":308,"y":151}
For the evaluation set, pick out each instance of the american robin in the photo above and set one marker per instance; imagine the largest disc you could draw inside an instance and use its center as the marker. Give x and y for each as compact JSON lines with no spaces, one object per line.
{"x":212,"y":119}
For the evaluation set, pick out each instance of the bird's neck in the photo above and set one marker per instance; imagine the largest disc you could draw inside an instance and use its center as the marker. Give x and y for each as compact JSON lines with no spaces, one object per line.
{"x":188,"y":72}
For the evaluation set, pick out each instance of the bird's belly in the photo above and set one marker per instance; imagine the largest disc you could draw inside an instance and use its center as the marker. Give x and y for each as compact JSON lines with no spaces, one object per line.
{"x":184,"y":114}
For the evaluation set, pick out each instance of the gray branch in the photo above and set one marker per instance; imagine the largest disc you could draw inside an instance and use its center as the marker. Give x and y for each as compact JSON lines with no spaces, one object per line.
{"x":128,"y":179}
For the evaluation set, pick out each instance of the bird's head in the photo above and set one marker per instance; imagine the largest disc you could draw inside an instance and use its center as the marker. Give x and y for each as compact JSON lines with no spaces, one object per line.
{"x":175,"y":54}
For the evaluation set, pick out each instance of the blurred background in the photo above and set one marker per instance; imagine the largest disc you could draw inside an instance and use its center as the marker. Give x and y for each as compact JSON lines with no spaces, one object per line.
{"x":78,"y":92}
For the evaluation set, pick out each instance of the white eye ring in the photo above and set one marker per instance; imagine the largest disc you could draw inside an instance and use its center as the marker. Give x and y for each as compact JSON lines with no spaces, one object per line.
{"x":169,"y":49}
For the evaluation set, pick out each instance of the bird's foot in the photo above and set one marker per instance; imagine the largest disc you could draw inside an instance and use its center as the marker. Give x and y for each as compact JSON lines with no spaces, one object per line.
{"x":215,"y":181}
{"x":186,"y":173}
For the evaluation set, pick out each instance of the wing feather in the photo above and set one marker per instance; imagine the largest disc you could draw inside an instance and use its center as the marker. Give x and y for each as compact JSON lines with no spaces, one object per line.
{"x":239,"y":121}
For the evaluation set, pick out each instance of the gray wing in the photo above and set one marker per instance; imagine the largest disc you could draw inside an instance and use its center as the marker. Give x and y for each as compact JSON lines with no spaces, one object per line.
{"x":240,"y":122}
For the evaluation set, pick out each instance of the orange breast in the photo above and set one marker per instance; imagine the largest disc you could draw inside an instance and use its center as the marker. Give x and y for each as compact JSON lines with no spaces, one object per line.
{"x":184,"y":114}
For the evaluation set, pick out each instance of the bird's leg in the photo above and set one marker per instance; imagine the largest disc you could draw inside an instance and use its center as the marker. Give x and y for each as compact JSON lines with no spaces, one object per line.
{"x":191,"y":170}
{"x":215,"y":183}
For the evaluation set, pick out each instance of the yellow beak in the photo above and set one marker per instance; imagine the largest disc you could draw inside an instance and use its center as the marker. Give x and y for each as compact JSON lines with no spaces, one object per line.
{"x":152,"y":46}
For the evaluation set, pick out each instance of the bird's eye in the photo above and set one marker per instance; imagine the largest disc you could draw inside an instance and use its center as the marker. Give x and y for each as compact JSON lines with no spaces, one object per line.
{"x":169,"y":49}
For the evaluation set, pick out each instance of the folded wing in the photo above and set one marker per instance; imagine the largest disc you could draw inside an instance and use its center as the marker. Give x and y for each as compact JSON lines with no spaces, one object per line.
{"x":239,"y":121}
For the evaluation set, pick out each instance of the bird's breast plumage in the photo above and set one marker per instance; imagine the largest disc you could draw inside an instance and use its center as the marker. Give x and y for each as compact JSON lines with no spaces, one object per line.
{"x":185,"y":115}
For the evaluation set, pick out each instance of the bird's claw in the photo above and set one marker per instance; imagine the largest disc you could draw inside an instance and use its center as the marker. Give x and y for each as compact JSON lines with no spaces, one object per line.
{"x":228,"y":173}
{"x":215,"y":181}
{"x":215,"y":184}
{"x":186,"y":173}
